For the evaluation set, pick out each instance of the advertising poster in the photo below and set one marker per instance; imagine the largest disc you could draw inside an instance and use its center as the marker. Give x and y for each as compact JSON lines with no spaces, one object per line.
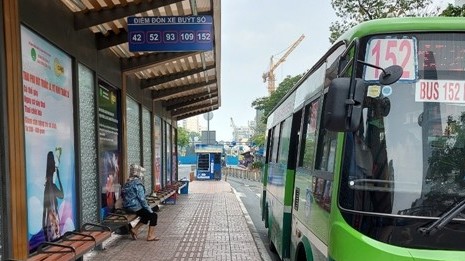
{"x":49,"y":139}
{"x":109,"y":160}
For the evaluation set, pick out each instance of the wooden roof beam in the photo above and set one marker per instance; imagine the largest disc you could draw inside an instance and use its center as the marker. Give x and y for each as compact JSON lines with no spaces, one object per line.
{"x":208,"y":102}
{"x":195,"y":113}
{"x":89,"y":18}
{"x":191,"y":109}
{"x":111,"y":39}
{"x":160,"y":94}
{"x":182,"y":99}
{"x":147,"y":83}
{"x":139,"y":63}
{"x":192,"y":101}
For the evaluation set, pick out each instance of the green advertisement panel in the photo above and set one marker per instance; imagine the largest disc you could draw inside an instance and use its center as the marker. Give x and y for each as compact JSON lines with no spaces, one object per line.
{"x":109,"y":158}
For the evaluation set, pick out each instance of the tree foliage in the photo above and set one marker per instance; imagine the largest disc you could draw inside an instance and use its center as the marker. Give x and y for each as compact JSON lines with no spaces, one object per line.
{"x":455,"y":11}
{"x":194,"y":134}
{"x":266,"y":104}
{"x":353,"y":12}
{"x":259,"y":135}
{"x":183,"y":137}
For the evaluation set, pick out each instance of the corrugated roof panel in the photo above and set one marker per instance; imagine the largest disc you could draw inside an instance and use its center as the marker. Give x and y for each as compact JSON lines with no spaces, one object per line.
{"x":161,"y":69}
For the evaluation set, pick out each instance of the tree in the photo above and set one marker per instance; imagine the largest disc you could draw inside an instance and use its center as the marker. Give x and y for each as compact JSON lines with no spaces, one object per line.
{"x":452,"y":10}
{"x":267,"y":104}
{"x":183,"y":137}
{"x":194,"y":134}
{"x":190,"y":149}
{"x":258,"y":137}
{"x":353,"y":12}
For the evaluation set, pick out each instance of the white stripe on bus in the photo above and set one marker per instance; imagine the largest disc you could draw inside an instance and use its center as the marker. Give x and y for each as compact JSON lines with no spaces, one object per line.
{"x":287,"y":209}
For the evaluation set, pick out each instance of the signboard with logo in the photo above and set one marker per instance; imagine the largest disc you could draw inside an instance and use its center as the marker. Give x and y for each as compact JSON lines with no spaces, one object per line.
{"x":109,"y":159}
{"x":49,"y":139}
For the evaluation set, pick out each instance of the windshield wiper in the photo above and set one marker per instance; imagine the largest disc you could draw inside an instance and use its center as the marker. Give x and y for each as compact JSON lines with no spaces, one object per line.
{"x":443,"y":220}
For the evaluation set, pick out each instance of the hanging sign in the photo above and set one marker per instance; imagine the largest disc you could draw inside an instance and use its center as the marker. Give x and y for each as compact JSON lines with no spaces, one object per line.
{"x":170,"y":33}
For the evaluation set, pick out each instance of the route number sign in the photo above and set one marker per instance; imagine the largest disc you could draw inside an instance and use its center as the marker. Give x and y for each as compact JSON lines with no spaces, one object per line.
{"x":170,"y":33}
{"x":445,"y":91}
{"x":387,"y":52}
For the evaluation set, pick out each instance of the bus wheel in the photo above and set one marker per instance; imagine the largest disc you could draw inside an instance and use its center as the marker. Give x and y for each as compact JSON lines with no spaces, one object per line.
{"x":272,"y":247}
{"x":266,"y":216}
{"x":301,"y":255}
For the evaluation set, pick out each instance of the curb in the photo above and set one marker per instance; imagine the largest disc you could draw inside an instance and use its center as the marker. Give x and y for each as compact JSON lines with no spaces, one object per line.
{"x":256,"y":237}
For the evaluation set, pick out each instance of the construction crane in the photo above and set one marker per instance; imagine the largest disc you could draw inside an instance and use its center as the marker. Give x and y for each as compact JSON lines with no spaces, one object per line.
{"x":269,"y":75}
{"x":234,"y":130}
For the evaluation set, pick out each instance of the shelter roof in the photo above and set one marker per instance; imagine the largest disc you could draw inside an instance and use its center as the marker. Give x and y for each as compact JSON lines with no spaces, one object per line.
{"x":186,"y":83}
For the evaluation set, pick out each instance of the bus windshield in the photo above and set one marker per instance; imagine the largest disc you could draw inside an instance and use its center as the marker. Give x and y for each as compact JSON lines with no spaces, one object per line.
{"x":408,"y":157}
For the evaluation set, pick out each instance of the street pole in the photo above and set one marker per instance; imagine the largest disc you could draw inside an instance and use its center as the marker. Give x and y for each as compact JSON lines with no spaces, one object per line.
{"x":208,"y":131}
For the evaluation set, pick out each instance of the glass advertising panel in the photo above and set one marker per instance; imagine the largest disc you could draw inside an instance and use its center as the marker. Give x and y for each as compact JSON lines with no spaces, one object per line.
{"x":157,"y":152}
{"x":147,"y":148}
{"x":133,"y":131}
{"x":168,"y":154}
{"x":174,"y":168}
{"x":88,"y":146}
{"x":49,"y":139}
{"x":109,"y":159}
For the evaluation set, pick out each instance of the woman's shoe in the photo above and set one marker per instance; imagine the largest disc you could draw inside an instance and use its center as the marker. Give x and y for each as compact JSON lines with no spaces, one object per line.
{"x":133,"y":231}
{"x":151,"y":234}
{"x":133,"y":234}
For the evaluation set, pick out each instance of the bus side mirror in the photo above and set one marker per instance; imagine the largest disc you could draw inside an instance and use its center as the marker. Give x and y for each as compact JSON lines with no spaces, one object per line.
{"x":342,"y":113}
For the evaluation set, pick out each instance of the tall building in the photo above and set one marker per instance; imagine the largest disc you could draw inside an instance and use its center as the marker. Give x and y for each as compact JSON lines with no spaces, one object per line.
{"x":244,"y":133}
{"x":192,"y":124}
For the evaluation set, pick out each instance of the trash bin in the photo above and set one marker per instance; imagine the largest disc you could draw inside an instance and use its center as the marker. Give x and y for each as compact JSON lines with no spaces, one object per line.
{"x":185,"y":189}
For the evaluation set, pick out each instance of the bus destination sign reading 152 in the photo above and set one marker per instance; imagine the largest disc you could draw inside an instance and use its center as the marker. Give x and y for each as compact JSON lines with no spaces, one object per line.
{"x":170,"y":33}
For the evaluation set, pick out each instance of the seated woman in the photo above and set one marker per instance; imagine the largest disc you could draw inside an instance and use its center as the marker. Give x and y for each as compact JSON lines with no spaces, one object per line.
{"x":133,"y":194}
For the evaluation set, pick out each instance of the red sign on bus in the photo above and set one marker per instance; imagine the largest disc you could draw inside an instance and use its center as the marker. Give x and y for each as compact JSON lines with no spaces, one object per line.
{"x":449,"y":91}
{"x":387,"y":52}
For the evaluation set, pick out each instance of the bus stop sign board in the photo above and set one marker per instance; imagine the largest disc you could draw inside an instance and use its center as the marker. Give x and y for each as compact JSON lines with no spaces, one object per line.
{"x":170,"y":33}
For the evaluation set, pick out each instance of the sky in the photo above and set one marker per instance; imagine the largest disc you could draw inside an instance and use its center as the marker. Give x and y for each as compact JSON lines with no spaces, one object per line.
{"x":252,"y":32}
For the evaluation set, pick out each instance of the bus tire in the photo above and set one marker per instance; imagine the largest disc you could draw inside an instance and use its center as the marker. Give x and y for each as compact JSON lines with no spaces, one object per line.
{"x":300,"y":253}
{"x":266,"y":216}
{"x":272,"y":247}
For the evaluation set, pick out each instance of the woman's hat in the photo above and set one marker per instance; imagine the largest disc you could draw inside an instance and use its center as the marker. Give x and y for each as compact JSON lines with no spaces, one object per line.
{"x":136,"y":170}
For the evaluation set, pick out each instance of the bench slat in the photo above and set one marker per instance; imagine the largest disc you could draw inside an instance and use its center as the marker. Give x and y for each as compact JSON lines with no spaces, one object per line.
{"x":52,"y":257}
{"x":99,"y":236}
{"x":77,"y":236}
{"x":81,"y":247}
{"x":73,"y":244}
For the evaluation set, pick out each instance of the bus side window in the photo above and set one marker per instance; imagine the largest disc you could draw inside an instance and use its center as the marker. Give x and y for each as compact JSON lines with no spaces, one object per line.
{"x":308,"y":141}
{"x":322,"y":180}
{"x":284,"y":143}
{"x":326,"y":150}
{"x":269,"y":146}
{"x":326,"y":147}
{"x":275,"y":143}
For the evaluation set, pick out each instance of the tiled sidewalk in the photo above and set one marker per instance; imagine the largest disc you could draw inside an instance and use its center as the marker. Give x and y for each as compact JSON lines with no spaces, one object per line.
{"x":206,"y":224}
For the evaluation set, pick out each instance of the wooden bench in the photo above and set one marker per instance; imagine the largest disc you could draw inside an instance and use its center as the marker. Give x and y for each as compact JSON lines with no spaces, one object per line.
{"x":168,"y":194}
{"x":119,"y":218}
{"x":73,"y":244}
{"x":122,"y":218}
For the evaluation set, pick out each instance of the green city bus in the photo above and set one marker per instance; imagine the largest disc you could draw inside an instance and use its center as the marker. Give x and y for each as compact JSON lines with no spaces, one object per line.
{"x":365,"y":156}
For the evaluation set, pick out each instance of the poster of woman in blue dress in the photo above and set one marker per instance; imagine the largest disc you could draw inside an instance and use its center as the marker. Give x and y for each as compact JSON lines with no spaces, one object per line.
{"x":49,"y":140}
{"x":52,"y":192}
